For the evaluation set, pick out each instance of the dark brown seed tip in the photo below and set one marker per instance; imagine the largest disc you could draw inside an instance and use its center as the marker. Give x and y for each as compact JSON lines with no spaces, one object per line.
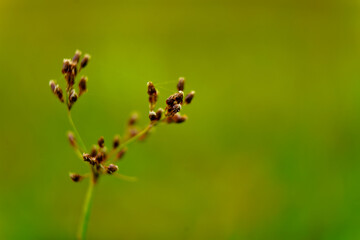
{"x":52,"y":85}
{"x":88,"y":158}
{"x":85,"y":61}
{"x":181,"y":83}
{"x":93,"y":151}
{"x":116,"y":141}
{"x":189,"y":97}
{"x":76,"y":56}
{"x":101,"y":142}
{"x":177,"y":118}
{"x":159,"y":113}
{"x":73,"y":96}
{"x":112,"y":168}
{"x":171,"y":111}
{"x":75,"y":177}
{"x":121,"y":153}
{"x":151,"y":88}
{"x":71,"y":138}
{"x":152,"y":116}
{"x":82,"y":85}
{"x":59,"y":93}
{"x":133,"y":119}
{"x":66,"y":66}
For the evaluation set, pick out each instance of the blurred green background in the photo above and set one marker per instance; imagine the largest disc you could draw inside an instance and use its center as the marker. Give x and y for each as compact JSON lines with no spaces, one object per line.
{"x":271,"y":146}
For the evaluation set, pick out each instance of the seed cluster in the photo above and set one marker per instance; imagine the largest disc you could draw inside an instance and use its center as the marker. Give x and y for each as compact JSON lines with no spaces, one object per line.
{"x":101,"y":160}
{"x":174,"y":103}
{"x":70,"y":69}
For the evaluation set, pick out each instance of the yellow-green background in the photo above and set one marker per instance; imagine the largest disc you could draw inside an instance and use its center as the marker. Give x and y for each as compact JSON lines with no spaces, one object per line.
{"x":271,"y":146}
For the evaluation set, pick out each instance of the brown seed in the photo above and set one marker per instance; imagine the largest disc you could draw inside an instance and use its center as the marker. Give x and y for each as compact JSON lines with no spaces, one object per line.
{"x":82,"y":85}
{"x":66,"y":66}
{"x":159,"y":113}
{"x":152,"y":116}
{"x":52,"y":85}
{"x":181,"y":83}
{"x":151,"y":88}
{"x":189,"y":97}
{"x":93,"y":151}
{"x":85,"y":61}
{"x":101,"y":142}
{"x":89,"y":159}
{"x":76,"y":177}
{"x":112,"y":168}
{"x":59,"y":93}
{"x":73,"y":97}
{"x":71,"y":138}
{"x":177,"y":118}
{"x":133,"y":119}
{"x":121,"y":153}
{"x":76,"y":57}
{"x":116,"y":141}
{"x":171,"y":111}
{"x":100,"y":157}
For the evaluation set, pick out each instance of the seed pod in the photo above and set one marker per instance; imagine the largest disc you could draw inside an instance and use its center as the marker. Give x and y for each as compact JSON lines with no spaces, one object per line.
{"x":151,"y":88}
{"x":66,"y":66}
{"x":181,"y":83}
{"x":93,"y":151}
{"x":171,"y":111}
{"x":70,"y":80}
{"x":189,"y":97}
{"x":133,"y":119}
{"x":152,"y":116}
{"x":72,"y":140}
{"x":101,"y":142}
{"x":76,"y":177}
{"x":121,"y":153}
{"x":52,"y":85}
{"x":76,"y":57}
{"x":82,"y":85}
{"x":100,"y":157}
{"x":72,"y":97}
{"x":59,"y":93}
{"x":116,"y":141}
{"x":170,"y":101}
{"x":179,"y":97}
{"x":159,"y":113}
{"x":177,"y":118}
{"x":84,"y":61}
{"x":89,"y":159}
{"x":112,"y":168}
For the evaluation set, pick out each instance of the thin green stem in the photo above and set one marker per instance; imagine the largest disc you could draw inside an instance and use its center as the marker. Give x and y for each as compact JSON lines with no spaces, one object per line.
{"x":86,"y":210}
{"x":76,"y":131}
{"x":144,"y":131}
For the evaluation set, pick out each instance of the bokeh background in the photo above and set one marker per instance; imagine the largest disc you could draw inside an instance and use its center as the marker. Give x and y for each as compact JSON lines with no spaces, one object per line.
{"x":271,"y":147}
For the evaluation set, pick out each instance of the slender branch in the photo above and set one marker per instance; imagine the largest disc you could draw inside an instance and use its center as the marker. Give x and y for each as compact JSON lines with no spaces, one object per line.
{"x":86,"y":210}
{"x":76,"y":131}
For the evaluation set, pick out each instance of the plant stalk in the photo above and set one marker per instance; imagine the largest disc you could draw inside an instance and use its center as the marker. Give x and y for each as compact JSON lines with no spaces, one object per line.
{"x":86,"y":210}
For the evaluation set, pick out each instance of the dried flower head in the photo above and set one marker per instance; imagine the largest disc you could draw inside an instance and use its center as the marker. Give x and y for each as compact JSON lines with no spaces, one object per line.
{"x":116,"y":141}
{"x":71,"y":138}
{"x":153,"y":95}
{"x":181,"y":83}
{"x":112,"y":168}
{"x":101,"y":142}
{"x":84,"y":61}
{"x":189,"y":97}
{"x":75,"y":177}
{"x":76,"y":57}
{"x":82,"y":85}
{"x":121,"y":153}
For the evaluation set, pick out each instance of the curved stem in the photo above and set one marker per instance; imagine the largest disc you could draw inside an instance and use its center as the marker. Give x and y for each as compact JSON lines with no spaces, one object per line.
{"x":86,"y":211}
{"x":76,"y":131}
